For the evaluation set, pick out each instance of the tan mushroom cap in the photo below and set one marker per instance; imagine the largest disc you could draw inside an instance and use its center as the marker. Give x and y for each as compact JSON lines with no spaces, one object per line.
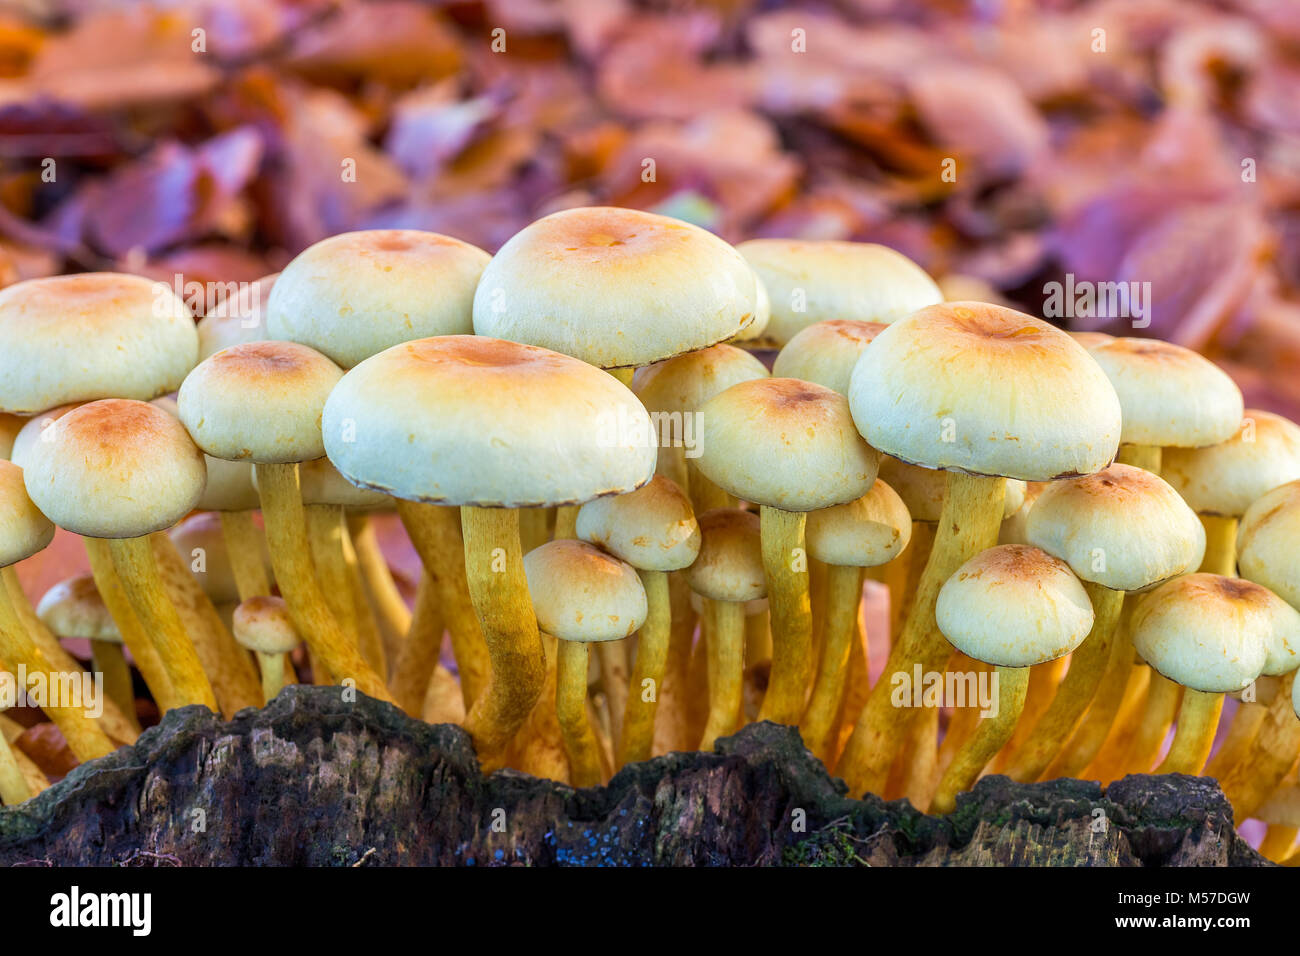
{"x":320,"y":483}
{"x":652,"y":528}
{"x":23,"y":529}
{"x":259,"y":402}
{"x":615,"y":287}
{"x":353,"y":295}
{"x":685,"y":382}
{"x":74,"y":608}
{"x":1227,"y":478}
{"x":1268,"y":542}
{"x":1014,"y":606}
{"x":201,"y":543}
{"x":863,"y":533}
{"x":1123,"y":528}
{"x":810,"y":280}
{"x":730,"y":563}
{"x":825,"y":352}
{"x":115,"y":468}
{"x":784,"y":443}
{"x":96,"y":335}
{"x":230,"y":485}
{"x":236,"y":319}
{"x":469,"y":420}
{"x":1170,"y":395}
{"x":1206,"y":631}
{"x":580,"y":593}
{"x":987,"y":390}
{"x":10,"y":426}
{"x":263,"y":624}
{"x":923,"y":489}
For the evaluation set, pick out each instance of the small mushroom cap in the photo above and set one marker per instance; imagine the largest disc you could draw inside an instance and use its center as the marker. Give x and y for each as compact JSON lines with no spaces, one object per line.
{"x":580,"y":593}
{"x":730,"y":563}
{"x":863,"y":533}
{"x":95,"y":335}
{"x":259,"y":402}
{"x":685,"y":382}
{"x":1123,"y":528}
{"x":1227,"y":478}
{"x":34,"y":428}
{"x":263,"y":624}
{"x":652,"y":528}
{"x":1205,"y":631}
{"x":825,"y":352}
{"x":1014,"y":606}
{"x":353,"y":295}
{"x":784,"y":443}
{"x":10,"y":426}
{"x":986,"y":390}
{"x":320,"y":483}
{"x":115,"y":468}
{"x":23,"y":529}
{"x":1268,"y":542}
{"x":74,"y":608}
{"x":1015,"y":525}
{"x":202,"y":545}
{"x":468,"y":420}
{"x":1170,"y":395}
{"x":923,"y":489}
{"x":237,"y":319}
{"x":810,"y":280}
{"x":615,"y":287}
{"x":230,"y":484}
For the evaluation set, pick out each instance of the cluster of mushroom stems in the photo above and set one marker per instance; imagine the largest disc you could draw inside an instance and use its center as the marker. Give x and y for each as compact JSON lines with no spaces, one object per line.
{"x":585,"y":447}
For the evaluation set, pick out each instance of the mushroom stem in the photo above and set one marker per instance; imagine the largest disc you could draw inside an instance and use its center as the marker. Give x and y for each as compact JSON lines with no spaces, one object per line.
{"x":1237,"y":743}
{"x":1220,"y":545}
{"x":106,"y":658}
{"x":785,"y":565}
{"x":648,"y":670}
{"x":704,"y":494}
{"x":1108,"y":764}
{"x":1140,"y":456}
{"x":918,"y":774}
{"x":286,"y":535}
{"x":904,"y":573}
{"x":672,"y":717}
{"x":989,"y":736}
{"x":1088,"y":666}
{"x":85,"y":737}
{"x":13,"y":785}
{"x":843,"y":594}
{"x":1044,"y":679}
{"x":1085,"y":743}
{"x":494,"y":566}
{"x":325,"y":538}
{"x":571,"y":708}
{"x":435,"y":533}
{"x":137,"y":568}
{"x":726,"y":650}
{"x":133,"y":633}
{"x":394,"y":615}
{"x":244,"y":547}
{"x":1162,"y":703}
{"x":1274,"y":755}
{"x":614,"y":682}
{"x":369,"y":637}
{"x":420,"y":651}
{"x":273,"y":674}
{"x":1198,"y":719}
{"x":1278,"y":842}
{"x":566,"y":523}
{"x":968,"y":524}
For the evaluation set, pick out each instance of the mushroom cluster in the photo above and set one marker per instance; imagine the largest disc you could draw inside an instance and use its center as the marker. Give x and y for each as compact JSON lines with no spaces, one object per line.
{"x":585,"y":447}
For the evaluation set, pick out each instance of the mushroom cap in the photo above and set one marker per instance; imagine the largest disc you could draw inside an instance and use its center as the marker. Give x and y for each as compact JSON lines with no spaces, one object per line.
{"x":730,"y":563}
{"x":469,"y":420}
{"x":263,"y":624}
{"x":230,"y":484}
{"x":23,"y":529}
{"x":74,"y":608}
{"x":95,"y":335}
{"x":1268,"y":542}
{"x":810,"y":280}
{"x":986,"y":390}
{"x":580,"y":593}
{"x":32,"y":430}
{"x":1227,"y":478}
{"x":1014,"y":606}
{"x":1206,"y":631}
{"x":1090,"y":340}
{"x":923,"y":489}
{"x":784,"y":443}
{"x":825,"y":352}
{"x":320,"y":483}
{"x":1123,"y":528}
{"x":353,"y":295}
{"x":115,"y":468}
{"x":202,"y":544}
{"x":756,"y":331}
{"x":685,"y":382}
{"x":863,"y":533}
{"x":1014,"y":525}
{"x":615,"y":287}
{"x":10,"y":426}
{"x":652,"y":528}
{"x":236,"y":319}
{"x":1170,"y":395}
{"x":259,"y":402}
